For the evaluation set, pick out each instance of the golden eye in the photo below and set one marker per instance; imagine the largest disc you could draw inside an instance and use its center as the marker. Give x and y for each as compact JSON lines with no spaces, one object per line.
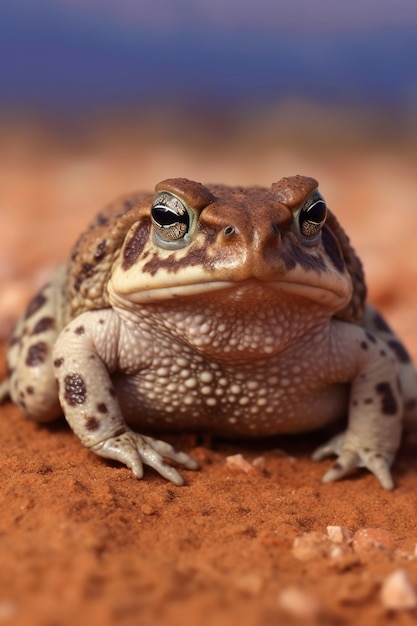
{"x":312,"y":216}
{"x":171,"y":220}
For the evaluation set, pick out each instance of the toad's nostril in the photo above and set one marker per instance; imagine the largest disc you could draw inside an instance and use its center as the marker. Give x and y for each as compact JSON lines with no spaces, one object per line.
{"x":275,"y":228}
{"x":229,"y":230}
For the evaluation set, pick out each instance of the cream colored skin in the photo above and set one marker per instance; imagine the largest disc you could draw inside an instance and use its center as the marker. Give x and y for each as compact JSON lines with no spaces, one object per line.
{"x":233,"y":311}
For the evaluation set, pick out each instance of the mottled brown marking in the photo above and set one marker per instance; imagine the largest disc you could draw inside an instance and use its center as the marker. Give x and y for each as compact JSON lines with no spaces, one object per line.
{"x":35,"y":304}
{"x":87,"y":271}
{"x":101,"y":407}
{"x":364,"y":345}
{"x":135,"y":245}
{"x":196,"y":256}
{"x":296,"y":255}
{"x":80,"y":330}
{"x":30,"y":390}
{"x":44,"y":324}
{"x":399,"y":351}
{"x":389,"y":404}
{"x":102,"y":220}
{"x":92,"y":424}
{"x":370,"y":337}
{"x":75,"y":390}
{"x":332,"y":249}
{"x":368,"y":400}
{"x":100,"y":251}
{"x":112,"y":392}
{"x":58,"y":362}
{"x":37,"y":354}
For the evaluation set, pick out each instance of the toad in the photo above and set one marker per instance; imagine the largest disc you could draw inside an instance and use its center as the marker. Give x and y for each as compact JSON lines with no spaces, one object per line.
{"x":235,"y":311}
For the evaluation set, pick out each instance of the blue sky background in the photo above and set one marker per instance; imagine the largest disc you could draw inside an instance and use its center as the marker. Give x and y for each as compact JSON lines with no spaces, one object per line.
{"x":75,"y":54}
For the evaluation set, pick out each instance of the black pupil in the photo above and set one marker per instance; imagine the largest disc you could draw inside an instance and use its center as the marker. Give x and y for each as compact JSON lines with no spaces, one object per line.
{"x":165,"y":217}
{"x":316,"y":213}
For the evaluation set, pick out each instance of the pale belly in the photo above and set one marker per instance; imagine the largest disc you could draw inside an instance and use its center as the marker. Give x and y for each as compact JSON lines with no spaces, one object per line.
{"x":248,"y":401}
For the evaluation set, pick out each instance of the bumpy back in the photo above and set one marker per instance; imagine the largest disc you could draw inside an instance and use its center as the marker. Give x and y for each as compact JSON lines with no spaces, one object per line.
{"x":95,"y":252}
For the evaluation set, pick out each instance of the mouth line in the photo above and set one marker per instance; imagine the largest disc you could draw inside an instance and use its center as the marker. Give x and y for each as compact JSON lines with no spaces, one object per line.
{"x":195,"y":289}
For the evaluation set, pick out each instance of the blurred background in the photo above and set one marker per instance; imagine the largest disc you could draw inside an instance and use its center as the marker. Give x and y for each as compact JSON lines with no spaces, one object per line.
{"x":98,"y":98}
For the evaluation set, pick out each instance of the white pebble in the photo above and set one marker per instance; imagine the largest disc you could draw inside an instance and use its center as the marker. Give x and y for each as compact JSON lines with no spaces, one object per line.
{"x":397,"y":592}
{"x":339,"y":534}
{"x":298,"y":603}
{"x":236,"y":461}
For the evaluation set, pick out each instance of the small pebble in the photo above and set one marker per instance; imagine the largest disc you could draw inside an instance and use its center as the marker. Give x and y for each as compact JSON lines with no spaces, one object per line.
{"x":299,"y":603}
{"x":314,"y":545}
{"x":238,"y":462}
{"x":397,"y":592}
{"x":371,"y":538}
{"x":311,"y":546}
{"x":259,"y":462}
{"x":339,"y":534}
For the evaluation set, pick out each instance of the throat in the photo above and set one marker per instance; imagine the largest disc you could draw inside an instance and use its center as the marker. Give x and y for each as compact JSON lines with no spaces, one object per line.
{"x":239,"y":334}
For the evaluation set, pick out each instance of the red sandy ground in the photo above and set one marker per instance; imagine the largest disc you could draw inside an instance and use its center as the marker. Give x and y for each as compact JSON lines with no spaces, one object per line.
{"x":81,"y":541}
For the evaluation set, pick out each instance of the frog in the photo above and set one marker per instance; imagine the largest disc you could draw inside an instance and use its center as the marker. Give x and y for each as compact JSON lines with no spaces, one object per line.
{"x":234,"y":311}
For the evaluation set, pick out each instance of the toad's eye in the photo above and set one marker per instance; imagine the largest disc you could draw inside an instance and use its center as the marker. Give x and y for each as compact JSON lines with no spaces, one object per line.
{"x":171,"y":219}
{"x":312,"y":216}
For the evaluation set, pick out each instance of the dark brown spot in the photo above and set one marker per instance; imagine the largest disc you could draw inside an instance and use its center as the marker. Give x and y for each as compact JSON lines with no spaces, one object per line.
{"x":383,"y":353}
{"x":332,"y":249}
{"x":58,"y":362}
{"x":100,"y":251}
{"x":75,"y":390}
{"x":368,"y":400}
{"x":37,"y":354}
{"x":30,"y":390}
{"x":112,"y":392}
{"x":399,"y":351}
{"x":410,"y":405}
{"x":80,"y":330}
{"x":36,"y":303}
{"x":380,"y":323}
{"x":101,"y":220}
{"x":87,"y":271}
{"x":370,"y":337}
{"x":135,"y":245}
{"x":92,"y":423}
{"x":197,"y":256}
{"x":389,"y":404}
{"x":102,"y":408}
{"x":46,"y":323}
{"x":296,"y":255}
{"x":364,"y":345}
{"x":101,"y":321}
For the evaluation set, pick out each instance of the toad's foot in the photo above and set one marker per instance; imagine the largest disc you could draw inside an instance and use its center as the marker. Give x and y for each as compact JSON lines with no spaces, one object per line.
{"x":135,"y":450}
{"x":376,"y":461}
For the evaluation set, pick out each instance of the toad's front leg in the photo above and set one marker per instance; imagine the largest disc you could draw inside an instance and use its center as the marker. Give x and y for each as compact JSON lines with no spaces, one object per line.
{"x":85,"y":354}
{"x":374,"y":427}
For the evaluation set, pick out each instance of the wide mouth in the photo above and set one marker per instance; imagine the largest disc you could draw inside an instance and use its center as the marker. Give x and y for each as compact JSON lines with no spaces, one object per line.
{"x":254,"y":288}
